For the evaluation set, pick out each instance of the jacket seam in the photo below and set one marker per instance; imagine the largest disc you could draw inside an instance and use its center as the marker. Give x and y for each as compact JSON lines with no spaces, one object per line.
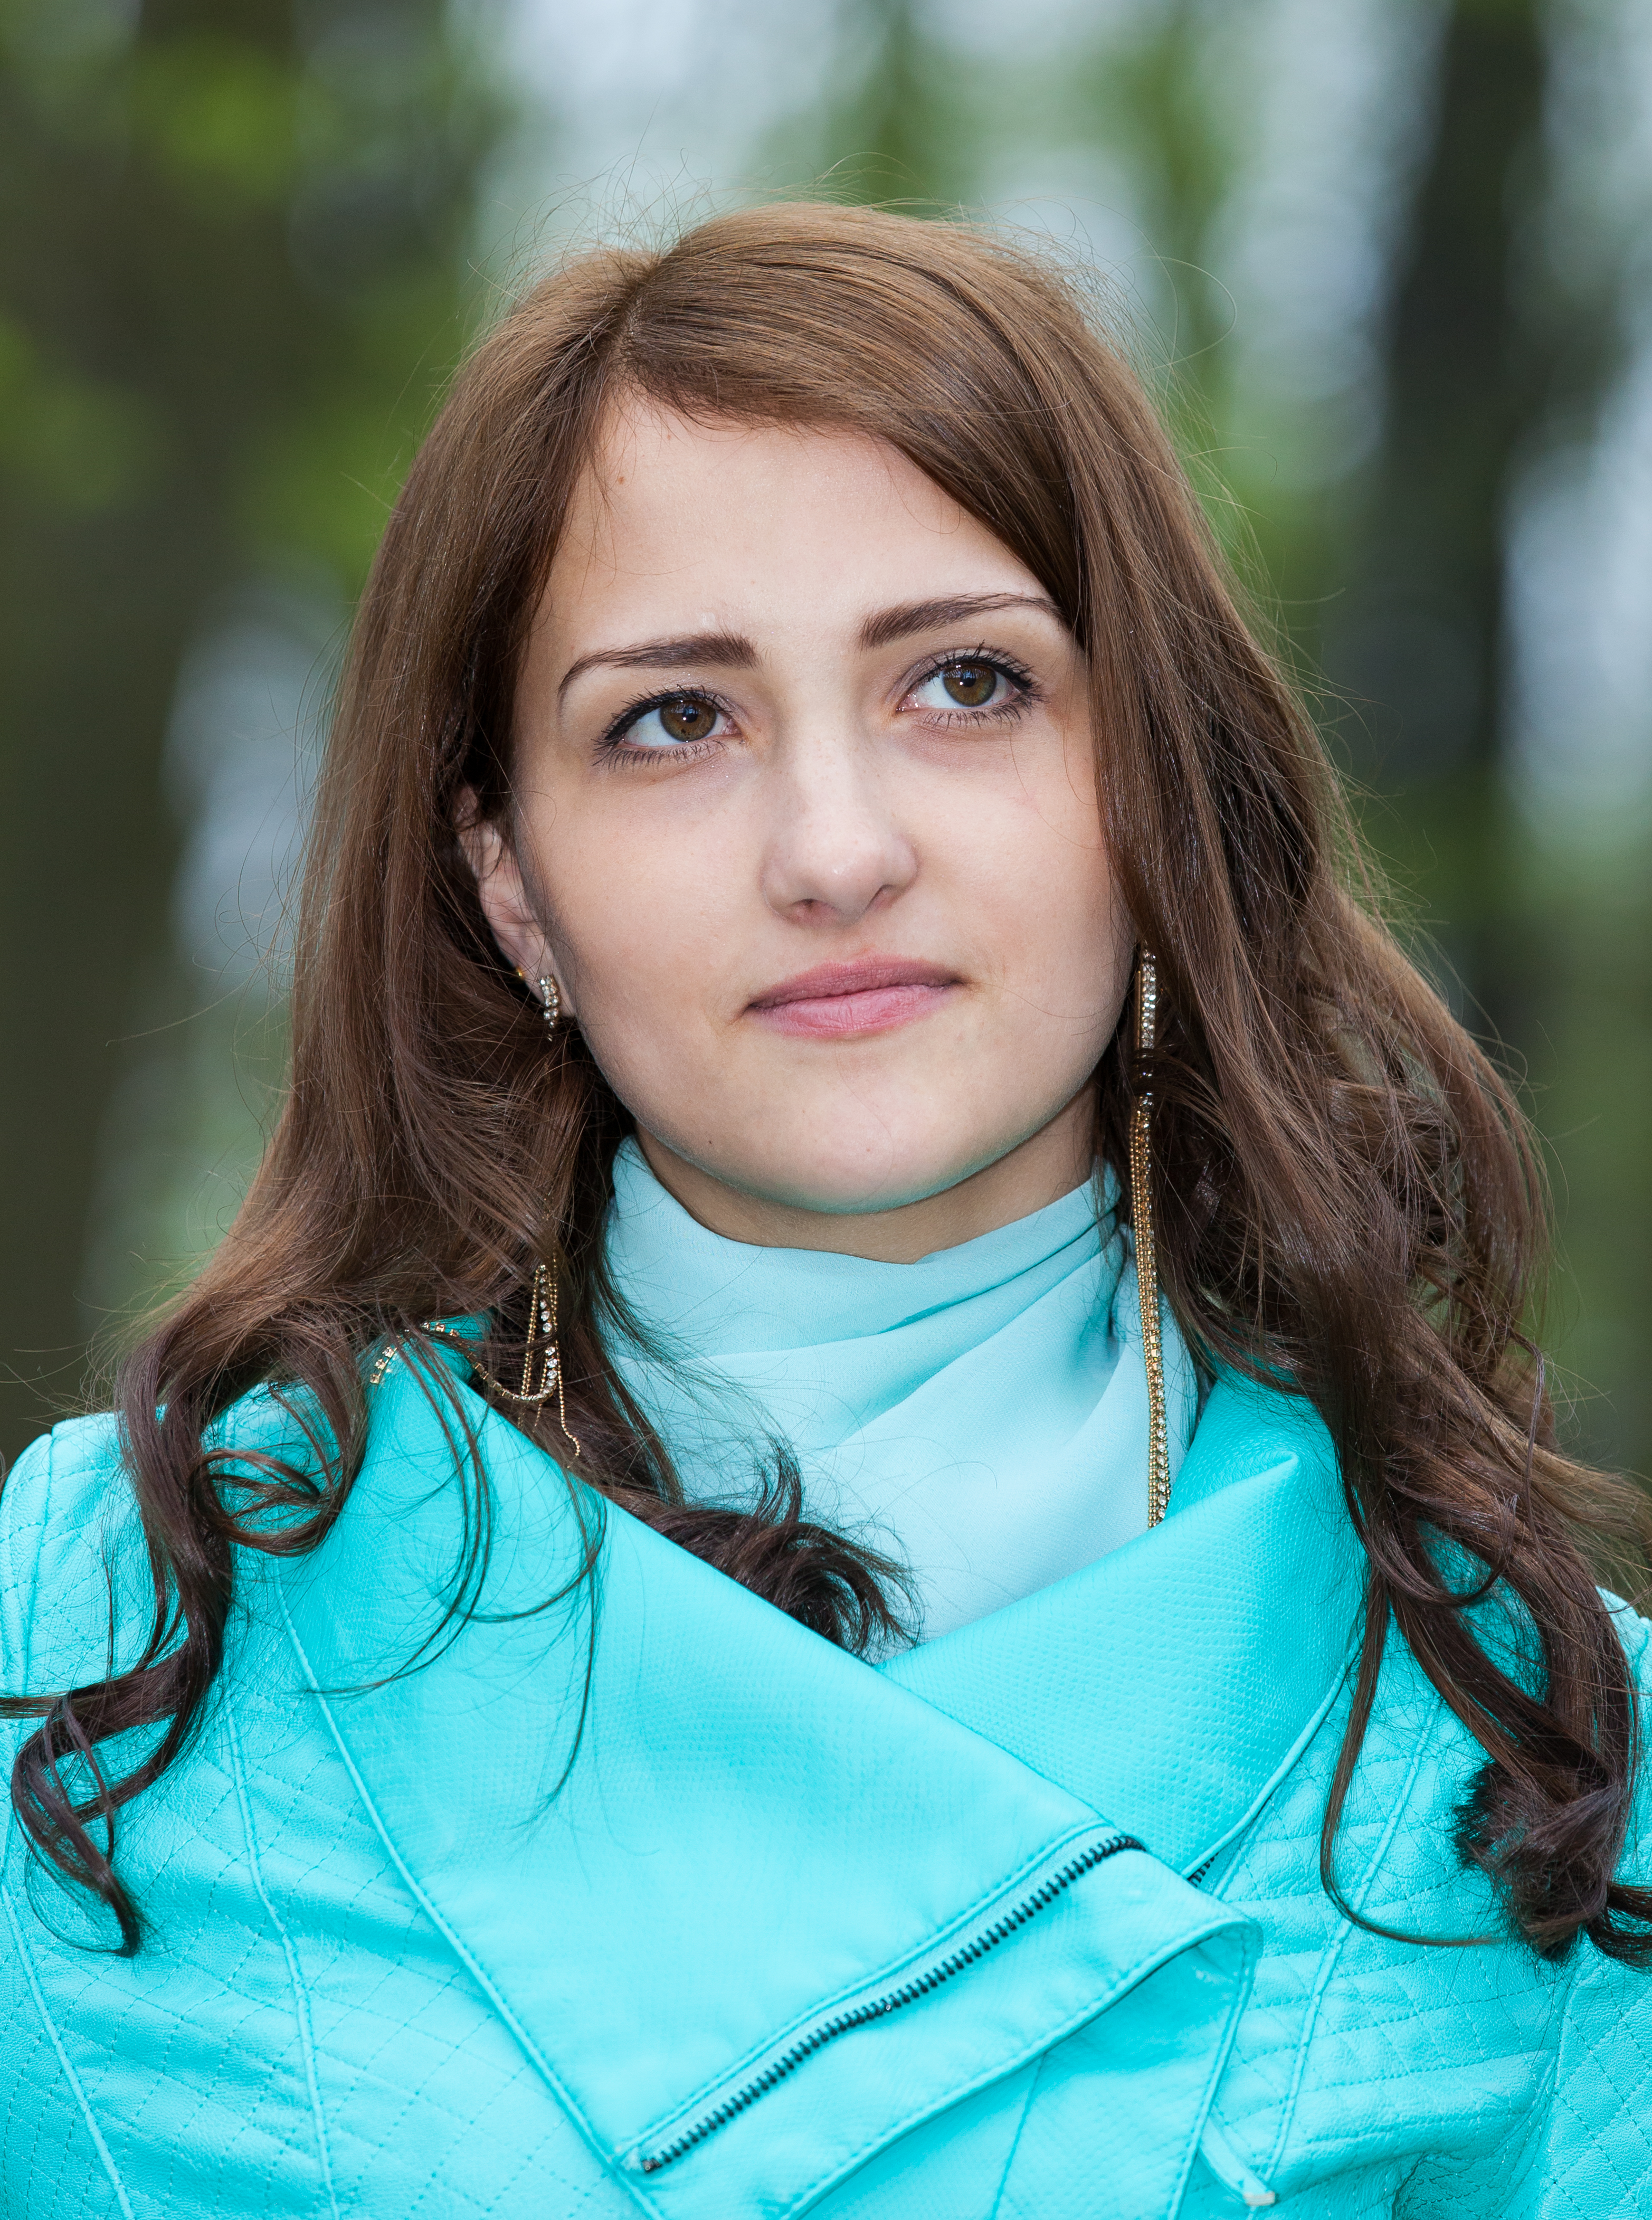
{"x":1527,"y":2159}
{"x":1334,"y":1948}
{"x":1229,"y":1843}
{"x":466,"y":1957}
{"x":1542,"y":2129}
{"x":890,"y":1970}
{"x":295,"y":1976}
{"x":23,"y":1623}
{"x":1218,"y":2067}
{"x":26,"y":1959}
{"x":1003,"y":2190}
{"x":1042,"y":2045}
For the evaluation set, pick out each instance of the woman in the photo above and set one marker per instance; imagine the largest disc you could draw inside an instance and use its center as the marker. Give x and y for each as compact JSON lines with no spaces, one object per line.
{"x":817,"y":896}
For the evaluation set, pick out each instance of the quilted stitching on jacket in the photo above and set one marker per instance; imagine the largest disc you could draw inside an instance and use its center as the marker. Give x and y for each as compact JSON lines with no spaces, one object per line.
{"x":1472,"y":2082}
{"x":191,"y":2058}
{"x":1369,"y":2076}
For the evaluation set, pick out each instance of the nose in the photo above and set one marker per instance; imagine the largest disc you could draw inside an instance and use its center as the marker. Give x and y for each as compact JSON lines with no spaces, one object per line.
{"x":835,"y":851}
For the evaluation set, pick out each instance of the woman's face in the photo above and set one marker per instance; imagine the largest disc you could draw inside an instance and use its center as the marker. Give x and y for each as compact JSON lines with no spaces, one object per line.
{"x":808,"y":836}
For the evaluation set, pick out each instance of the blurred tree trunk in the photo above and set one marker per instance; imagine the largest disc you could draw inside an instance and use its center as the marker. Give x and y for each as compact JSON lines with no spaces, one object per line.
{"x":1421,"y":643}
{"x":1463,"y":393}
{"x":225,"y":242}
{"x":899,"y":136}
{"x":1487,"y":361}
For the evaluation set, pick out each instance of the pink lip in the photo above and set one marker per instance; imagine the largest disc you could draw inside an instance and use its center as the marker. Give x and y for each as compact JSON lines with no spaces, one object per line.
{"x":870,"y":996}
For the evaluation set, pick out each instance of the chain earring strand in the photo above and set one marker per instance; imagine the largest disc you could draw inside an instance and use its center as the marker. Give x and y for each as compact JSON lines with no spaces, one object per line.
{"x":1141,"y":1214}
{"x":550,"y":1002}
{"x":542,"y":1354}
{"x":541,"y":1358}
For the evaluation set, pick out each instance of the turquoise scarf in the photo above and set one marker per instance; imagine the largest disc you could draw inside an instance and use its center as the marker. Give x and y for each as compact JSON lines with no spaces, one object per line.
{"x":981,"y":1415}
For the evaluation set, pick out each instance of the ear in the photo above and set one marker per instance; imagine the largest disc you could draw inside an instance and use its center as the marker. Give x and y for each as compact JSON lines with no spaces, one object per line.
{"x":504,"y":898}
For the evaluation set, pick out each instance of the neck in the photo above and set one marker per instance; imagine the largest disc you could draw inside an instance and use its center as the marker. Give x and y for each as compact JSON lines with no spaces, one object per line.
{"x":1040,"y":1171}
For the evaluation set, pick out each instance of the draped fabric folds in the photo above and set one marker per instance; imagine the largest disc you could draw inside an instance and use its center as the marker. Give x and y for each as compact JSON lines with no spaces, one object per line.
{"x":981,"y":1415}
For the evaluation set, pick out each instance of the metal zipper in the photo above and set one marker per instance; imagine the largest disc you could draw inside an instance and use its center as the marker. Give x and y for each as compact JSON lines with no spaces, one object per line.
{"x":879,"y":2007}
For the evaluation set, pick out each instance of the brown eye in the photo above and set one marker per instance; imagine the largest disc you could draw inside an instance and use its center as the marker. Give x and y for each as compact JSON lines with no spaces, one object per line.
{"x":686,"y":717}
{"x":971,"y":685}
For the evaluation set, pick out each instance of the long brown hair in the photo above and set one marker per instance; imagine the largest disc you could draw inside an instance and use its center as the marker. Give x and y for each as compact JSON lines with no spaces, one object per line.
{"x":1348,"y":1202}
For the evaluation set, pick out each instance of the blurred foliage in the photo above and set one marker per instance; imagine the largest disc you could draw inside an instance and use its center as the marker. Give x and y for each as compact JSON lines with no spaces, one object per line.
{"x":232,"y":259}
{"x":233,"y":243}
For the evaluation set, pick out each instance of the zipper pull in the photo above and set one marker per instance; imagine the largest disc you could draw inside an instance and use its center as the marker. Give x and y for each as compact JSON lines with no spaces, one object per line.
{"x":1231,"y":2169}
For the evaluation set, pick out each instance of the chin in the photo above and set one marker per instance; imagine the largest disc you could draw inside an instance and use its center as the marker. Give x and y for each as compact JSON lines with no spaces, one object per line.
{"x":855,"y":1187}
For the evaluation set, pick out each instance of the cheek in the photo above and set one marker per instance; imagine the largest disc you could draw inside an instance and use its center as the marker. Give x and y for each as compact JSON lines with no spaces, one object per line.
{"x":1049,"y":905}
{"x":630,"y":919}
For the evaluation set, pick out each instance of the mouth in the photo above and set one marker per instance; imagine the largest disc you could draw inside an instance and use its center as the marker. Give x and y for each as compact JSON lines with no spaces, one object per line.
{"x":835,"y":1002}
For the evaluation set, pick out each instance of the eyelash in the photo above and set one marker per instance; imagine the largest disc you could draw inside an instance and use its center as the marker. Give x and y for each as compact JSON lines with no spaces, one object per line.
{"x":1027,"y":692}
{"x":609,"y":745}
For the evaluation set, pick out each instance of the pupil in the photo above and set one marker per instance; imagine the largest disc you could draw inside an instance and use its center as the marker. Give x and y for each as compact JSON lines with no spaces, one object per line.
{"x":970,"y":685}
{"x":687,"y":718}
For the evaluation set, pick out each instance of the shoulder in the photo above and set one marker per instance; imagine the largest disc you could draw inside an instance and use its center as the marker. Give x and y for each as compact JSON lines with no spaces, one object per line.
{"x":1596,"y":2149}
{"x":74,"y":1566}
{"x":1635,"y":1634}
{"x":66,"y":1509}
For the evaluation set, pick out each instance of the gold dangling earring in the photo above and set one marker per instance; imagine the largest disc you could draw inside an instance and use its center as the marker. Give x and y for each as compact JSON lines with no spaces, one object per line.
{"x":542,"y":1353}
{"x":1141,"y":1216}
{"x":550,"y":1002}
{"x":541,"y":1357}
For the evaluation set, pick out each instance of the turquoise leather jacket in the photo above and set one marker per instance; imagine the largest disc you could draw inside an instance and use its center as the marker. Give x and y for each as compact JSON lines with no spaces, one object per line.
{"x":1026,"y":1923}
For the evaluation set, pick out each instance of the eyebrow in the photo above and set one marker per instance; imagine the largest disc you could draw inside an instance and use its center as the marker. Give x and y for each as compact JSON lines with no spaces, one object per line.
{"x":731,"y":651}
{"x":909,"y":617}
{"x":728,"y":651}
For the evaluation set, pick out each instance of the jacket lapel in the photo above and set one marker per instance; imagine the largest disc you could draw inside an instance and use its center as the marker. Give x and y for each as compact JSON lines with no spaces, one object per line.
{"x":1173,"y":1683}
{"x":755,"y":1908}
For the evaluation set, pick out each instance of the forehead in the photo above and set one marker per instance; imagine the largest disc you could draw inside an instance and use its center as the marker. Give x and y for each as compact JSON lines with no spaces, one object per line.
{"x":680,"y":522}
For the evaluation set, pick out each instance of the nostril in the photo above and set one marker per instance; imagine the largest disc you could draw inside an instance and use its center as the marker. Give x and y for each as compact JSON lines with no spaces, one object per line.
{"x":816,"y":869}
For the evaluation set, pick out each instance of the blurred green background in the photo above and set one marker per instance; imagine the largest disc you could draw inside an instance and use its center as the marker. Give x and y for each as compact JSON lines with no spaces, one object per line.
{"x":1388,"y":264}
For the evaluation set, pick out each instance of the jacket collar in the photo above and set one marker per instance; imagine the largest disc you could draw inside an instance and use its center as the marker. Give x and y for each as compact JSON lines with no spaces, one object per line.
{"x":1172,"y":1682}
{"x":707,"y":1874}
